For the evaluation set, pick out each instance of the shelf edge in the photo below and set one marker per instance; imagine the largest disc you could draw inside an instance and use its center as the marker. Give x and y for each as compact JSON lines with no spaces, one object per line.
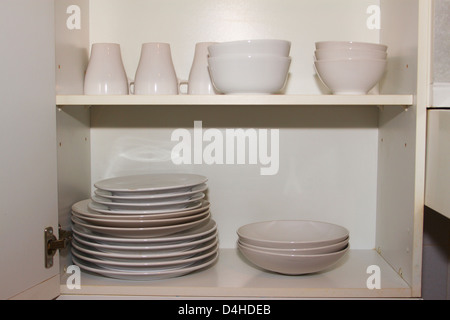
{"x":248,"y":100}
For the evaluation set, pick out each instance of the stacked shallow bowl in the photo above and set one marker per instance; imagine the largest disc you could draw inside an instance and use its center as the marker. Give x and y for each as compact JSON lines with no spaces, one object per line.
{"x":293,"y":247}
{"x":145,"y":227}
{"x":258,"y":66}
{"x":348,"y":67}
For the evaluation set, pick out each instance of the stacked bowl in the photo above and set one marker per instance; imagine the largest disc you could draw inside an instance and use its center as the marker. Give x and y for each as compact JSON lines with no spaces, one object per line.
{"x":348,"y":67}
{"x":145,"y":227}
{"x":258,"y":66}
{"x":293,"y":247}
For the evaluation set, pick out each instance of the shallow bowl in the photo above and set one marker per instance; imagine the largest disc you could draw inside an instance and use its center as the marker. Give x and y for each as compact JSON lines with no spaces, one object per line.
{"x":301,"y":251}
{"x":291,"y":264}
{"x":292,"y":234}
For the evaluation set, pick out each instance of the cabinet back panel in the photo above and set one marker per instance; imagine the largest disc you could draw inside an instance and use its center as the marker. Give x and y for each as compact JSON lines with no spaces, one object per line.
{"x":325,"y":170}
{"x":184,"y":23}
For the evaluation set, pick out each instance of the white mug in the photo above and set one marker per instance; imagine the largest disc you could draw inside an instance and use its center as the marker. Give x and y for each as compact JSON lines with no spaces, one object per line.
{"x":199,"y":79}
{"x":155,"y":73}
{"x":105,"y":74}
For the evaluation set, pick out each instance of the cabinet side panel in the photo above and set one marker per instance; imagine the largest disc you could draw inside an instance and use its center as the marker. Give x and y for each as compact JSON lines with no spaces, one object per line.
{"x":73,"y":123}
{"x":399,"y":32}
{"x":403,"y":141}
{"x":72,"y":45}
{"x":73,"y":134}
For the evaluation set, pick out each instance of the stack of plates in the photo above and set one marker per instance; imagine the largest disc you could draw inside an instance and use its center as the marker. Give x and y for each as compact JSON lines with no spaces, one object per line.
{"x":145,"y":227}
{"x":293,"y":247}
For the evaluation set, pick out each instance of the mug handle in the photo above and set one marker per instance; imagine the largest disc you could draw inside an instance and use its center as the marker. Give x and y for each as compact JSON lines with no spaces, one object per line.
{"x":182,"y":83}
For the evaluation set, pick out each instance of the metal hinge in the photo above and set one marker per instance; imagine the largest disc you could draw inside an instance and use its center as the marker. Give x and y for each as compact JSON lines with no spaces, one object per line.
{"x":52,"y":244}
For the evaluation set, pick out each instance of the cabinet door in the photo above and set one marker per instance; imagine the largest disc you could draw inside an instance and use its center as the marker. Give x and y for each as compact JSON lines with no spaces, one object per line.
{"x":438,"y":159}
{"x":28,"y":182}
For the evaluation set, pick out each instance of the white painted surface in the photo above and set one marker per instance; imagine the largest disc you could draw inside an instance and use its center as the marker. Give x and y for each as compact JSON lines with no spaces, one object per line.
{"x":440,"y":95}
{"x":28,"y":183}
{"x":438,"y":159}
{"x":242,"y":100}
{"x":233,"y":277}
{"x":327,"y":170}
{"x":331,"y":166}
{"x":184,"y":23}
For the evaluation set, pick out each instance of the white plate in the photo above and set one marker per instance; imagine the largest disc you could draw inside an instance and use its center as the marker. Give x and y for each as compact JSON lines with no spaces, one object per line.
{"x":151,"y":196}
{"x":129,"y":223}
{"x":151,"y":182}
{"x":162,"y":209}
{"x":145,"y":248}
{"x":145,"y":275}
{"x":146,"y":265}
{"x":140,"y":232}
{"x":141,"y":205}
{"x":81,"y":208}
{"x":200,"y":230}
{"x":145,"y":256}
{"x":140,"y":223}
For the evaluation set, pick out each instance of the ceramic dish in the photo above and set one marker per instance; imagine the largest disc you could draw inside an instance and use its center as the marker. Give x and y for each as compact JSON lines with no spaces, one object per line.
{"x":333,"y":54}
{"x":161,"y":209}
{"x":147,"y":256}
{"x":290,"y":264}
{"x":82,"y":208}
{"x":141,"y":223}
{"x":144,"y":205}
{"x":306,"y":251}
{"x":146,"y":264}
{"x":163,"y":196}
{"x":151,"y":182}
{"x":247,"y":47}
{"x":292,"y":234}
{"x":252,"y":74}
{"x":190,"y":234}
{"x":350,"y":76}
{"x":140,"y":232}
{"x":145,"y":275}
{"x":325,"y":45}
{"x":145,"y":248}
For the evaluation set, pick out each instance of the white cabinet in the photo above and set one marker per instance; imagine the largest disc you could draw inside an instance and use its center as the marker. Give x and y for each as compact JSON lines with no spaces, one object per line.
{"x":358,"y":161}
{"x":28,"y":181}
{"x":438,"y":157}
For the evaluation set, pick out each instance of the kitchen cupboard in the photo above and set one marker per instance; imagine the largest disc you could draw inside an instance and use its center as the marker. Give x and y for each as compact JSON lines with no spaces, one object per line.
{"x":437,"y":169}
{"x":358,"y":161}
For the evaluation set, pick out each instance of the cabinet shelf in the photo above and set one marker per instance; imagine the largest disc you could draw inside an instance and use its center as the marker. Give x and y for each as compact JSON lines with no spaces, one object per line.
{"x":189,"y":100}
{"x":232,"y":276}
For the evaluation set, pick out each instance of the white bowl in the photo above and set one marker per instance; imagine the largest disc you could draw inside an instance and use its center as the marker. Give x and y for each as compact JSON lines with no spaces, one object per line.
{"x":292,"y":234}
{"x":249,"y":74}
{"x":335,"y":54}
{"x":291,"y":264}
{"x":257,"y":46}
{"x":302,"y":251}
{"x":350,"y":76}
{"x":350,"y":45}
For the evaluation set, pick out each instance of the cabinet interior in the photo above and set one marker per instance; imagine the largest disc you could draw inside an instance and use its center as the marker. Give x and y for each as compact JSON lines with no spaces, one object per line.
{"x":348,"y":164}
